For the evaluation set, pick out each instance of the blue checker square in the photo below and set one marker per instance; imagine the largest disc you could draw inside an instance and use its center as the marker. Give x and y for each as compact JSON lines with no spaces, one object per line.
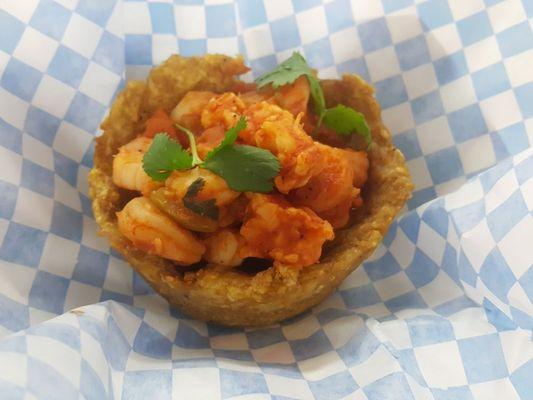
{"x":514,"y":138}
{"x":515,"y":39}
{"x":138,"y":49}
{"x":429,"y":329}
{"x":98,"y":12}
{"x":382,"y":268}
{"x":359,"y":347}
{"x":374,"y":34}
{"x":434,"y":13}
{"x":66,"y":168}
{"x":118,"y":297}
{"x":220,"y":21}
{"x":391,"y":91}
{"x":302,"y":5}
{"x":190,"y":47}
{"x":47,"y":381}
{"x":69,"y":66}
{"x":453,"y":393}
{"x":427,"y":107}
{"x":407,"y":142}
{"x":91,"y":386}
{"x":404,"y":301}
{"x":383,"y":387}
{"x":474,"y":28}
{"x":262,"y":65}
{"x":420,"y":197}
{"x":150,"y":342}
{"x":37,"y":178}
{"x":251,"y":13}
{"x":483,"y":358}
{"x":162,"y":17}
{"x":91,"y":267}
{"x":50,"y":18}
{"x":9,"y":199}
{"x":450,"y":68}
{"x":412,"y":52}
{"x":356,"y":66}
{"x":66,"y":222}
{"x":490,"y":81}
{"x":422,"y":269}
{"x":17,"y":234}
{"x":109,"y":51}
{"x":285,"y":33}
{"x":444,"y":165}
{"x":361,"y":296}
{"x":48,"y":292}
{"x":135,"y":386}
{"x":12,"y":30}
{"x":338,"y":15}
{"x":521,"y":379}
{"x":467,"y":123}
{"x":312,"y":346}
{"x":524,"y":96}
{"x":11,"y":137}
{"x":319,"y":53}
{"x":13,"y":315}
{"x":85,"y":113}
{"x":264,"y":337}
{"x":189,"y":338}
{"x":237,"y":383}
{"x":41,"y":125}
{"x":394,"y":5}
{"x":20,"y":79}
{"x":507,"y":215}
{"x":336,"y":386}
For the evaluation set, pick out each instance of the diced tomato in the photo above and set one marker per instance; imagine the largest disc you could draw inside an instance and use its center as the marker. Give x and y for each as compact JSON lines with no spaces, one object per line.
{"x":160,"y":122}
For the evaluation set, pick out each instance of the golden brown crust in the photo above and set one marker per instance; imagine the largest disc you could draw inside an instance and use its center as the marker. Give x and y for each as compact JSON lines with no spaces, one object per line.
{"x":220,"y":294}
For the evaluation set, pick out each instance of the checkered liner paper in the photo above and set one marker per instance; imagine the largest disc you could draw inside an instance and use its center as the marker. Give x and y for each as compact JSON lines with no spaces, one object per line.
{"x":442,"y":310}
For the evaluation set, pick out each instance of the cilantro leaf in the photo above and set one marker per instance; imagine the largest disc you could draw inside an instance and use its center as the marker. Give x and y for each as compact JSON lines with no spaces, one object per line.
{"x":164,"y":156}
{"x":345,"y":121}
{"x":205,"y":208}
{"x":286,"y":72}
{"x":230,"y":138}
{"x":244,"y":168}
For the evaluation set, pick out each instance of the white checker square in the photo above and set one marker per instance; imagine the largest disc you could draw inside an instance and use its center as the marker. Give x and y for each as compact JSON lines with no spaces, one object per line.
{"x":520,"y":299}
{"x":116,"y":20}
{"x":137,"y":19}
{"x":434,"y":135}
{"x":517,"y":349}
{"x":53,"y":96}
{"x":393,"y":286}
{"x":82,"y":35}
{"x":477,"y":154}
{"x":381,"y":363}
{"x":458,"y":94}
{"x":341,"y":330}
{"x":518,"y":68}
{"x":163,"y":323}
{"x":419,"y":173}
{"x":72,"y":141}
{"x":420,"y":81}
{"x":357,"y":278}
{"x":36,"y":49}
{"x":477,"y":244}
{"x":70,"y":4}
{"x":13,"y":110}
{"x":33,"y":209}
{"x":258,"y":41}
{"x":443,"y":41}
{"x":229,"y":46}
{"x":436,"y":358}
{"x":321,"y":367}
{"x":119,"y":277}
{"x":99,"y":83}
{"x":276,"y":9}
{"x":382,"y":64}
{"x":516,"y":247}
{"x":495,"y":390}
{"x":440,"y":290}
{"x":66,"y":193}
{"x":506,"y":14}
{"x":4,"y":59}
{"x":397,"y":333}
{"x":82,"y":183}
{"x":195,"y":383}
{"x":190,"y":22}
{"x":450,"y":186}
{"x":471,"y":322}
{"x":4,"y":224}
{"x":501,"y":110}
{"x":404,"y":24}
{"x":37,"y":152}
{"x":462,"y":9}
{"x":163,"y":46}
{"x":10,"y":166}
{"x":16,"y":281}
{"x":288,"y":387}
{"x":140,"y":362}
{"x":527,"y":193}
{"x":482,"y":54}
{"x":328,"y":73}
{"x":364,"y":10}
{"x":137,"y":71}
{"x":128,"y":322}
{"x":14,"y":368}
{"x":469,"y":193}
{"x":301,"y":329}
{"x":402,"y":249}
{"x":345,"y":45}
{"x":90,"y":238}
{"x":279,"y":353}
{"x":237,"y":341}
{"x":312,"y":24}
{"x":22,"y":10}
{"x":79,"y":294}
{"x":59,"y":256}
{"x":92,"y":352}
{"x":378,"y":310}
{"x":399,"y":118}
{"x":39,"y":316}
{"x":431,"y":243}
{"x":238,"y":365}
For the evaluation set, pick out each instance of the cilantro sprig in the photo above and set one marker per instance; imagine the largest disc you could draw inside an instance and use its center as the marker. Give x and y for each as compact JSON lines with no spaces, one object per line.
{"x":343,"y":120}
{"x":244,"y":168}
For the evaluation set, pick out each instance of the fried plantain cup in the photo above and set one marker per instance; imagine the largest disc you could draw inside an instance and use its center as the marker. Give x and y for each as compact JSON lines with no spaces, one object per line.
{"x":245,"y":296}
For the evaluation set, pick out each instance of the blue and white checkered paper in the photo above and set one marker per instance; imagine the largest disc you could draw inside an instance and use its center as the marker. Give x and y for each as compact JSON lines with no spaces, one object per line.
{"x":442,"y":310}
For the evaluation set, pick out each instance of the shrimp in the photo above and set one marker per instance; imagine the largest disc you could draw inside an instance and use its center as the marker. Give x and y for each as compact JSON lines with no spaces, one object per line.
{"x":152,"y":231}
{"x":223,"y":110}
{"x":225,"y":247}
{"x":290,"y":236}
{"x":188,"y":112}
{"x":128,"y":172}
{"x":294,"y":97}
{"x":209,"y":139}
